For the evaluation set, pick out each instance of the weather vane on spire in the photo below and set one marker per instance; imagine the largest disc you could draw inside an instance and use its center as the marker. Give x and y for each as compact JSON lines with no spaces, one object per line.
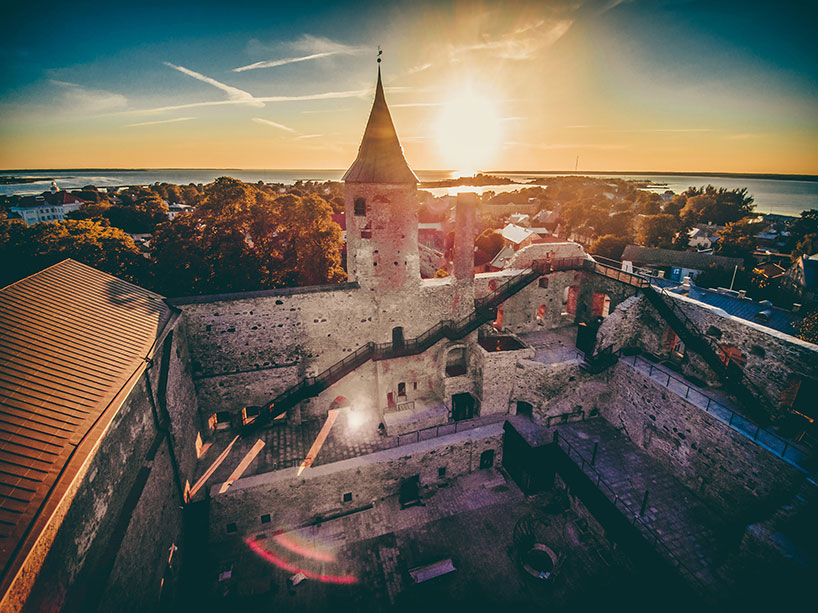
{"x":380,"y":53}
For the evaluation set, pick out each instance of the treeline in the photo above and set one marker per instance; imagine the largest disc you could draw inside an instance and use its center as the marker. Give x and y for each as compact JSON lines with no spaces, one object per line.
{"x":238,"y":237}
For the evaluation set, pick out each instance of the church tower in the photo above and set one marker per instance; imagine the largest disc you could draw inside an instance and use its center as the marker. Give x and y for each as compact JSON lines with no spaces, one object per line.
{"x":380,"y":192}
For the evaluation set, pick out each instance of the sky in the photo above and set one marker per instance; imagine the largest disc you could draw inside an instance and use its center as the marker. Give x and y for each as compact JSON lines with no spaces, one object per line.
{"x":616,"y":85}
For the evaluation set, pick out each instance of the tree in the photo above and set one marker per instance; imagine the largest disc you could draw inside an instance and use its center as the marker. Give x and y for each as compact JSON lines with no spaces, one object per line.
{"x":649,"y":203}
{"x":609,"y":246}
{"x":657,"y":230}
{"x":28,"y":249}
{"x":807,"y":328}
{"x":240,"y":238}
{"x":719,"y":206}
{"x":737,"y":240}
{"x":489,"y":242}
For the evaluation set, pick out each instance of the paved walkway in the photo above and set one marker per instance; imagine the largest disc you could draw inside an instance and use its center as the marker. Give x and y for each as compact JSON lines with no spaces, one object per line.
{"x":286,"y":445}
{"x":690,"y":529}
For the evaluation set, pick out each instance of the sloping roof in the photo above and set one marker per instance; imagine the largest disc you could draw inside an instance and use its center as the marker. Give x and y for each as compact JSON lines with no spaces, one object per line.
{"x":684,"y":259}
{"x":515,"y":234}
{"x":380,"y":156}
{"x":72,"y":339}
{"x":810,"y":265}
{"x":503,"y":257}
{"x":744,"y":308}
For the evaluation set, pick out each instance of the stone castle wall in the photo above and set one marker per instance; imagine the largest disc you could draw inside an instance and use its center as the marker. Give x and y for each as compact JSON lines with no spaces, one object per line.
{"x":293,"y":501}
{"x":708,"y":456}
{"x":113,"y":544}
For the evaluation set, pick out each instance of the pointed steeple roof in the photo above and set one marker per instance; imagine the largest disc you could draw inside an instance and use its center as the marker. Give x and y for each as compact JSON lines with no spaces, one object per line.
{"x":380,"y":156}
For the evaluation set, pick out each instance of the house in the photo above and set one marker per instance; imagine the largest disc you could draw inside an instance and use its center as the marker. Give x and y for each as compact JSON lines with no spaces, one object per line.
{"x":584,"y":235}
{"x":518,"y":237}
{"x":550,"y":220}
{"x":802,"y":277}
{"x":501,"y":260}
{"x":176,"y":209}
{"x":704,"y":236}
{"x":678,"y":264}
{"x":769,"y":271}
{"x":520,"y":219}
{"x":47,"y":207}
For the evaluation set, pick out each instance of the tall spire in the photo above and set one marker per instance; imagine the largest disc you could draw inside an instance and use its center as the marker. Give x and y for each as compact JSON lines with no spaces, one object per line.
{"x":380,"y":156}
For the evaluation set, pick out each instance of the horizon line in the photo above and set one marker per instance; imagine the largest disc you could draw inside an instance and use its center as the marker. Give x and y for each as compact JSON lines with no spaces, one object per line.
{"x":749,"y":175}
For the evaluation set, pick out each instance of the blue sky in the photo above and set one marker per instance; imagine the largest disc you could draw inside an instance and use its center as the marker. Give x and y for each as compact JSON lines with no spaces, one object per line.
{"x":628,"y":85}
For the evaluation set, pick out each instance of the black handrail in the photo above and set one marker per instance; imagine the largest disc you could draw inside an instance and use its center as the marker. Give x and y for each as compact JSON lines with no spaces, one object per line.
{"x":485,"y":309}
{"x":739,"y":382}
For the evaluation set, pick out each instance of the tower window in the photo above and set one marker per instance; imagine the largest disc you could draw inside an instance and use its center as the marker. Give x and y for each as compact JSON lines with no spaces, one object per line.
{"x":360,"y":206}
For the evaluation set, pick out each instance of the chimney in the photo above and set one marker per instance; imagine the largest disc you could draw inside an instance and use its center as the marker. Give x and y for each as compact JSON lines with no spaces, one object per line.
{"x":464,"y":236}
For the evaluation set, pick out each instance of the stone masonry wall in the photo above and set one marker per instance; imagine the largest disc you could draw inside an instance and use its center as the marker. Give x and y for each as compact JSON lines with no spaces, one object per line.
{"x":76,"y":561}
{"x":705,"y":454}
{"x":294,"y":501}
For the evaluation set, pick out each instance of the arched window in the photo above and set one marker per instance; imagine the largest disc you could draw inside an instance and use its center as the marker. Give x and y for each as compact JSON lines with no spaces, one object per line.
{"x":360,"y":206}
{"x":540,"y":317}
{"x":456,"y":362}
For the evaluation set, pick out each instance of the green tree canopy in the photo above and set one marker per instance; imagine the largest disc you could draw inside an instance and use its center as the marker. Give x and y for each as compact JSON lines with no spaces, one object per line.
{"x":657,"y":230}
{"x":27,"y":249}
{"x":240,"y":238}
{"x":489,"y":242}
{"x":609,"y":246}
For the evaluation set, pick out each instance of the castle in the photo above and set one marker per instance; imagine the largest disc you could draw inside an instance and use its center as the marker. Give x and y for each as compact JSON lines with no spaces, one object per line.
{"x":150,"y":445}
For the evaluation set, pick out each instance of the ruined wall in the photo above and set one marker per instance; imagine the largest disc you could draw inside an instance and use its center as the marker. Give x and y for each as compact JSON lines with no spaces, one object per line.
{"x":772,"y":357}
{"x":705,"y":454}
{"x":498,"y":380}
{"x":112,"y":547}
{"x":246,"y":348}
{"x":295,"y":501}
{"x":558,"y":391}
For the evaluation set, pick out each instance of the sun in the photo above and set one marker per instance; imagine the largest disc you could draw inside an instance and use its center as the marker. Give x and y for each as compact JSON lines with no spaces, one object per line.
{"x":469,"y":130}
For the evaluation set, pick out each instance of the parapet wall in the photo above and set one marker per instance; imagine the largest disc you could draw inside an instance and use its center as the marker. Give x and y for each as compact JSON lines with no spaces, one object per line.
{"x":773,"y":359}
{"x":293,"y":501}
{"x":708,"y":456}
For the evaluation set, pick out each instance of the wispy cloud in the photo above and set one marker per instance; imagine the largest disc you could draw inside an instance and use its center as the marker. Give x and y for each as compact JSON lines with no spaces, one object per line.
{"x":358,"y":93}
{"x":77,"y":97}
{"x":311,"y":112}
{"x":419,"y":68}
{"x":306,"y":136}
{"x":524,"y":43}
{"x":583,"y":126}
{"x":282,"y":62}
{"x":313,"y":48}
{"x":234,"y":94}
{"x":267,"y":122}
{"x":156,"y":123}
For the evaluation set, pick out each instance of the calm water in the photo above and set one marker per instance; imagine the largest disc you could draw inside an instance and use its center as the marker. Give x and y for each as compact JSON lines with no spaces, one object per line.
{"x":784,"y":197}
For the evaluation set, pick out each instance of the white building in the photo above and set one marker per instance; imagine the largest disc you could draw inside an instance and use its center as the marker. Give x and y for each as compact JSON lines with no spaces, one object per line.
{"x":44,"y":211}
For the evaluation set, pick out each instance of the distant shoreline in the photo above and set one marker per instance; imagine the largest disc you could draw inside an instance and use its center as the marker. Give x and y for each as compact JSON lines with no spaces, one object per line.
{"x":737,"y":175}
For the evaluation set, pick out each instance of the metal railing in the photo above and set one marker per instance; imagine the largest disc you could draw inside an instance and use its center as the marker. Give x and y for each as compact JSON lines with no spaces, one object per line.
{"x":630,"y":514}
{"x":741,"y":383}
{"x":433,"y":432}
{"x":785,"y":449}
{"x":484,"y":311}
{"x":630,"y":278}
{"x":410,"y":438}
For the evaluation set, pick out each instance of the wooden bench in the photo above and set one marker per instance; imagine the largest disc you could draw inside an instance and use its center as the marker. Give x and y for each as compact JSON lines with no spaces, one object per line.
{"x":420,"y":574}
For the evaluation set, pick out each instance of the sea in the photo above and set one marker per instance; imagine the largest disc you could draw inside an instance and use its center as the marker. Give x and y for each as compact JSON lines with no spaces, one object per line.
{"x":771,"y":195}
